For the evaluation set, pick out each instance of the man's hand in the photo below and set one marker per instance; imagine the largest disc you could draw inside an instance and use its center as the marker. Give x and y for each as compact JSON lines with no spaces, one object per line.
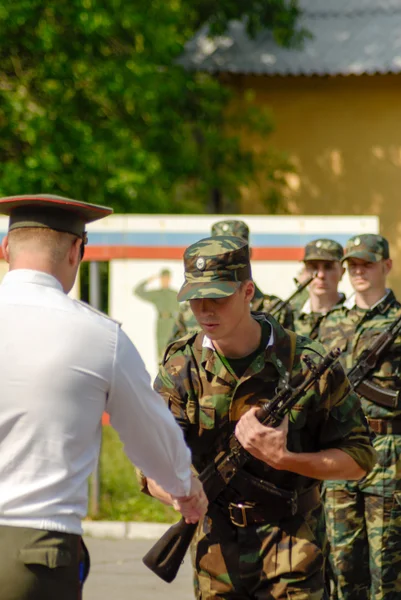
{"x":268,"y":444}
{"x":194,"y":506}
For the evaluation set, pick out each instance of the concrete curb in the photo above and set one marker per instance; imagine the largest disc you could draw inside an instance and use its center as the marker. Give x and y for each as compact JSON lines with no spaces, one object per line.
{"x":120,"y":530}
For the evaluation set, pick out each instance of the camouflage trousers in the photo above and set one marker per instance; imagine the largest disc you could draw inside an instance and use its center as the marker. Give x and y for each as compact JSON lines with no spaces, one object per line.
{"x":258,"y":562}
{"x":364,"y":532}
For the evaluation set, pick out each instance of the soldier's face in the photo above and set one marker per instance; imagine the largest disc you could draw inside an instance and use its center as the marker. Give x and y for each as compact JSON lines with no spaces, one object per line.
{"x":329,"y":274}
{"x":220,"y":318}
{"x":365,"y":276}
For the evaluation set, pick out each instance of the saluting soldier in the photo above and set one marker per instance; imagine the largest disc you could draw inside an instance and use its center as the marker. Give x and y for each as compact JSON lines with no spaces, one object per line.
{"x":62,"y":365}
{"x":323,"y":257}
{"x":264,"y":538}
{"x":364,"y":518}
{"x":165,"y":301}
{"x":186,"y":322}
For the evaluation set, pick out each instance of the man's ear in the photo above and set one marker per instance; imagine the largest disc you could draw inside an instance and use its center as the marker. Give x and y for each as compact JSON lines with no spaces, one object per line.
{"x":249,"y":291}
{"x":388,"y":264}
{"x":74,"y":255}
{"x":5,"y":248}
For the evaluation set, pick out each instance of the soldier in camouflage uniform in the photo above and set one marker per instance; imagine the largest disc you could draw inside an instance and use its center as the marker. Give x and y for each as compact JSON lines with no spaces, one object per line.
{"x":165,"y":301}
{"x":364,"y":518}
{"x":186,"y":322}
{"x":322,"y":257}
{"x":264,"y":537}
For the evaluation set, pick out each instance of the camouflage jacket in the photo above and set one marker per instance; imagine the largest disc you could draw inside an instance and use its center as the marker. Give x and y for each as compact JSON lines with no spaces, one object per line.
{"x":207,"y":401}
{"x":186,"y":323}
{"x":307,"y":322}
{"x":353,"y":329}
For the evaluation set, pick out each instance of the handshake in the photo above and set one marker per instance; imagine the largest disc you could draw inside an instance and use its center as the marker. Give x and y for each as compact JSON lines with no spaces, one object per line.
{"x":192,"y":507}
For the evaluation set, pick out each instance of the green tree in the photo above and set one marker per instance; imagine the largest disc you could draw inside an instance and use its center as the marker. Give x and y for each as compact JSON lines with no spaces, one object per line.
{"x":93,"y":104}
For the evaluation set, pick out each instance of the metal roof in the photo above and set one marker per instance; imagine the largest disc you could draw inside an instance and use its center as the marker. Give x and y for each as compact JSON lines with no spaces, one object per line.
{"x":349,"y":37}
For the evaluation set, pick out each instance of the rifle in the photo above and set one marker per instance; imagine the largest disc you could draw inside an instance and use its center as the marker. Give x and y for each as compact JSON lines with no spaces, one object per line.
{"x":368,"y":361}
{"x":280,"y":304}
{"x":166,"y":556}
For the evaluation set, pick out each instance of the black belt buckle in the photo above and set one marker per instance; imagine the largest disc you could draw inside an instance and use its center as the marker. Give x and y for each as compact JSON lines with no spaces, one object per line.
{"x":242,"y":509}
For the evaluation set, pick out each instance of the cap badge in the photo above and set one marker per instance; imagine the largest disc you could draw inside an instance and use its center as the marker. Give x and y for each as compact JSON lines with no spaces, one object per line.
{"x":200,"y":263}
{"x":318,"y":244}
{"x":357,"y":241}
{"x":225,"y":227}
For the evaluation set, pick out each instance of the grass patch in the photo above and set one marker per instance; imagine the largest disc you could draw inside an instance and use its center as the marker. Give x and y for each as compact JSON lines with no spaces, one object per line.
{"x":120,"y":498}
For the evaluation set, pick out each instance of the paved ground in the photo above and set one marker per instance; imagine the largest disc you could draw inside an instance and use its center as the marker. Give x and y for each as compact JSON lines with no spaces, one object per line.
{"x":117,"y":573}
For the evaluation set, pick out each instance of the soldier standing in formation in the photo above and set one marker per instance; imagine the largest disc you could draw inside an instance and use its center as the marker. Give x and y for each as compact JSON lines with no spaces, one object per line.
{"x":62,"y":365}
{"x":186,"y":322}
{"x":264,"y":538}
{"x":364,"y":518}
{"x":165,"y":301}
{"x":322,"y":257}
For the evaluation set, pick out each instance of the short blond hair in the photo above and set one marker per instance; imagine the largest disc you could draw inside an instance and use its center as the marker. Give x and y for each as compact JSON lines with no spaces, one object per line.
{"x":41,"y":240}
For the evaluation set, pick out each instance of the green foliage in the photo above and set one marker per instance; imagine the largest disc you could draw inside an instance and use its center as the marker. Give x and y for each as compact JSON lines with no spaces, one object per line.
{"x":120,"y":498}
{"x":93,"y":104}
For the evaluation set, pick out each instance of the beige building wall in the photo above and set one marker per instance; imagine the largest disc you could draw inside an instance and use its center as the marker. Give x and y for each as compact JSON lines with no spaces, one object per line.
{"x":344,"y":136}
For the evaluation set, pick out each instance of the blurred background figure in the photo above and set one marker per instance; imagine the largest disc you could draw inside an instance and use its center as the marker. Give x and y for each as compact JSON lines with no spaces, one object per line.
{"x":323,"y":257}
{"x":165,"y":301}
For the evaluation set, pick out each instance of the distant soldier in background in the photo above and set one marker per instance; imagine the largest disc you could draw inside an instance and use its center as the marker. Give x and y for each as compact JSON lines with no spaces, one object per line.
{"x":364,"y":518}
{"x":186,"y":322}
{"x":165,"y":301}
{"x":322,"y":257}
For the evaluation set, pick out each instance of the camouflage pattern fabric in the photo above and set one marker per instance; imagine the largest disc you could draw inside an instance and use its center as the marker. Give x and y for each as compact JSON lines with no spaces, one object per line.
{"x":215,"y":267}
{"x":231,"y":227}
{"x":323,"y":249}
{"x":308,"y":323}
{"x":278,"y":559}
{"x":364,"y":518}
{"x":369,"y":246}
{"x":166,"y":304}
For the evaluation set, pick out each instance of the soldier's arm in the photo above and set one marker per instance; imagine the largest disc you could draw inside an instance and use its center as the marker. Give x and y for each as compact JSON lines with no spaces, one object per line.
{"x":335,"y":418}
{"x":143,"y":293}
{"x":269,"y":445}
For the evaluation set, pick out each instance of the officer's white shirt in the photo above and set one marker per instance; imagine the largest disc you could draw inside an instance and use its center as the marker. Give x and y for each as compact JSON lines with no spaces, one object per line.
{"x":61,"y":366}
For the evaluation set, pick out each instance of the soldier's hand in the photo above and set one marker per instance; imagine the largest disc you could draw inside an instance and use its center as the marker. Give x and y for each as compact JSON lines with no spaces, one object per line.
{"x":265,"y":443}
{"x":194,"y":506}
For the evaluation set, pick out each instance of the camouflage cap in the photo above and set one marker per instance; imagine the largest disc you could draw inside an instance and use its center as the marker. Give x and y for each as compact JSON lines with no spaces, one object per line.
{"x":231,"y":227}
{"x":368,"y":246}
{"x":215,"y":267}
{"x":323,"y":249}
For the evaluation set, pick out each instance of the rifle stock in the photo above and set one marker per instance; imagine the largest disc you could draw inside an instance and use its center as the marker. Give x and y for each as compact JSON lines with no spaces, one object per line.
{"x":166,"y":556}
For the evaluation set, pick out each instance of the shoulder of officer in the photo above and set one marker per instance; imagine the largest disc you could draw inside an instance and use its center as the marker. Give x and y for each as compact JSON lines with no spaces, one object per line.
{"x":179,"y":346}
{"x":85,"y":305}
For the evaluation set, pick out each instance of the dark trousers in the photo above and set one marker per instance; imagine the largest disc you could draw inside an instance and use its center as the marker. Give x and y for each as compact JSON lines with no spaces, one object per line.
{"x":40,"y":565}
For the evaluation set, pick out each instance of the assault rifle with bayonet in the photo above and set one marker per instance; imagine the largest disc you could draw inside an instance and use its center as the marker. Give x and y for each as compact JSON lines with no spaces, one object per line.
{"x":166,"y":556}
{"x":280,"y":304}
{"x":368,"y":361}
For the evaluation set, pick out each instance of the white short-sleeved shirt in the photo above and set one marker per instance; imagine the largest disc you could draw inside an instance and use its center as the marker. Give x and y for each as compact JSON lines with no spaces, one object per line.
{"x":61,"y":366}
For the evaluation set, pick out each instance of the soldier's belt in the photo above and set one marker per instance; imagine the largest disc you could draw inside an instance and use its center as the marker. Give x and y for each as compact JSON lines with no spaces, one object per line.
{"x":245,"y":514}
{"x":385,"y":426}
